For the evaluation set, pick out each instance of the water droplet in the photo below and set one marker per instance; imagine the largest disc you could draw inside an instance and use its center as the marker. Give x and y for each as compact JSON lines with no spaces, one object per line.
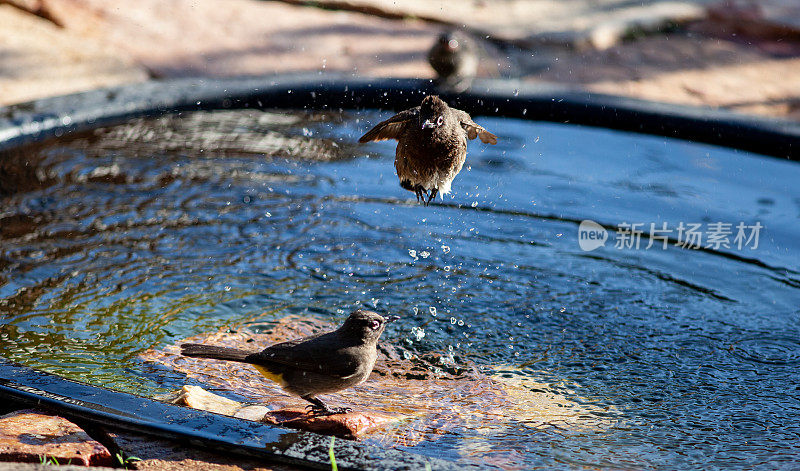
{"x":474,"y":204}
{"x":227,"y":288}
{"x":418,"y":333}
{"x":432,"y":311}
{"x":453,"y":320}
{"x":445,"y":249}
{"x":425,"y":254}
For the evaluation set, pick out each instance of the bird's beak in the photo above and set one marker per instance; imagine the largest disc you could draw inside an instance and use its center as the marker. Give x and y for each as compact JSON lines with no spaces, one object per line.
{"x":391,"y":319}
{"x":428,"y":124}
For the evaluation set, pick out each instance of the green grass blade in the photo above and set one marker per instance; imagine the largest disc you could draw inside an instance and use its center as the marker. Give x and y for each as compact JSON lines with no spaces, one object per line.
{"x":333,"y":458}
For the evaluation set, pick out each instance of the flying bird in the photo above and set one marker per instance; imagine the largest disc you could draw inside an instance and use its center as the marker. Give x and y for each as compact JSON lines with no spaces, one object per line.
{"x":431,"y":145}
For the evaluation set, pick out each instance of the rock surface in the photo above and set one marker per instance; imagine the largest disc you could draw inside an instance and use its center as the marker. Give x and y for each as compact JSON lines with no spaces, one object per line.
{"x":174,"y":38}
{"x":40,"y":59}
{"x":31,"y":436}
{"x":350,"y":425}
{"x":679,"y":68}
{"x":432,"y":393}
{"x":163,"y":455}
{"x":776,"y":19}
{"x":750,"y":48}
{"x":48,"y":467}
{"x":521,"y":21}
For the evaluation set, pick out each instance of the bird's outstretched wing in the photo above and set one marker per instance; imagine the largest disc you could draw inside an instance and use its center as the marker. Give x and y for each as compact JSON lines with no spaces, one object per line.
{"x":473,"y":129}
{"x":392,"y":127}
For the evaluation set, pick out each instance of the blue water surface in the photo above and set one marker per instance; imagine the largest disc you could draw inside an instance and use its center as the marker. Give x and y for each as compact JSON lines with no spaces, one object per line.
{"x":141,"y":235}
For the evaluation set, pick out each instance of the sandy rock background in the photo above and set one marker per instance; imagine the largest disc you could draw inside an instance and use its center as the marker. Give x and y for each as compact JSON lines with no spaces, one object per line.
{"x":737,"y":54}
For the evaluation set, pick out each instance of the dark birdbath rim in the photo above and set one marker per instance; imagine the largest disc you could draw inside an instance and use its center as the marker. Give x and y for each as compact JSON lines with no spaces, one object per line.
{"x":52,"y":117}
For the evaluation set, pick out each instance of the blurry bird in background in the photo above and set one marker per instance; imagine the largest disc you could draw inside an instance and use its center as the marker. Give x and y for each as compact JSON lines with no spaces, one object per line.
{"x":455,"y":59}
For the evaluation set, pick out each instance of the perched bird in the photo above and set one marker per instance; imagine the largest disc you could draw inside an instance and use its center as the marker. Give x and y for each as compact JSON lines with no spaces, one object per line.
{"x":431,"y":145}
{"x":454,"y":59}
{"x":319,"y":364}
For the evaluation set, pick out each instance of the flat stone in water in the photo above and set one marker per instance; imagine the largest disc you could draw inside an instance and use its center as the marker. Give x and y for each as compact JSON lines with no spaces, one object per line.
{"x":421,"y":397}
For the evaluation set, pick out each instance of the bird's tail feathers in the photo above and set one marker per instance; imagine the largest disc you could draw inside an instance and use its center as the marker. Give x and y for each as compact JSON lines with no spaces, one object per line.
{"x":214,"y":352}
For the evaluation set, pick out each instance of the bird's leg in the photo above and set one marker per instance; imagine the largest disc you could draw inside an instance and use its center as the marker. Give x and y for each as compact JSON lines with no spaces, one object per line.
{"x":432,"y":195}
{"x":421,"y":193}
{"x":319,"y":409}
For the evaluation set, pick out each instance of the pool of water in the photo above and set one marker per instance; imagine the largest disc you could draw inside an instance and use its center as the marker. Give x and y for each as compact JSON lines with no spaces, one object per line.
{"x":137,"y":236}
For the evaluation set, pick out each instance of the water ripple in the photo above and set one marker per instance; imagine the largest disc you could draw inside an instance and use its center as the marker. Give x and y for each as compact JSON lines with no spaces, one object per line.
{"x":145,"y":234}
{"x":768,"y":348}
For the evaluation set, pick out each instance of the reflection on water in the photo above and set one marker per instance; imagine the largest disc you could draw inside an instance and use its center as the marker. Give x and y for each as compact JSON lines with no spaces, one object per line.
{"x":142,"y":235}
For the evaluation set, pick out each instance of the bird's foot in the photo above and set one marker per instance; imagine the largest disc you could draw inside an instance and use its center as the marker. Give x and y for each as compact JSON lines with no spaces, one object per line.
{"x":421,"y":193}
{"x":323,"y":410}
{"x":432,"y":196}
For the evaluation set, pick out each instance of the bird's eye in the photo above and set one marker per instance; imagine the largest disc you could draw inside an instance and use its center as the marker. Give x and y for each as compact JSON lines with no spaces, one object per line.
{"x":440,"y":121}
{"x":374,"y":325}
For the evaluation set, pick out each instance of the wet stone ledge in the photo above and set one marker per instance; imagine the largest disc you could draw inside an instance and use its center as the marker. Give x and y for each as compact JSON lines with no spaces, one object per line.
{"x":351,"y":425}
{"x":411,"y":397}
{"x":34,"y":437}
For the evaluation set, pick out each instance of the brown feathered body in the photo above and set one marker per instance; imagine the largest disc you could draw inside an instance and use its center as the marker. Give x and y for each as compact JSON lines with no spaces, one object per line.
{"x":431,"y":147}
{"x":431,"y":158}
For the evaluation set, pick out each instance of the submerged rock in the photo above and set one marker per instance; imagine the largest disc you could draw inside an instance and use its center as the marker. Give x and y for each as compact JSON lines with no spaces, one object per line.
{"x":350,"y":425}
{"x":409,"y":398}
